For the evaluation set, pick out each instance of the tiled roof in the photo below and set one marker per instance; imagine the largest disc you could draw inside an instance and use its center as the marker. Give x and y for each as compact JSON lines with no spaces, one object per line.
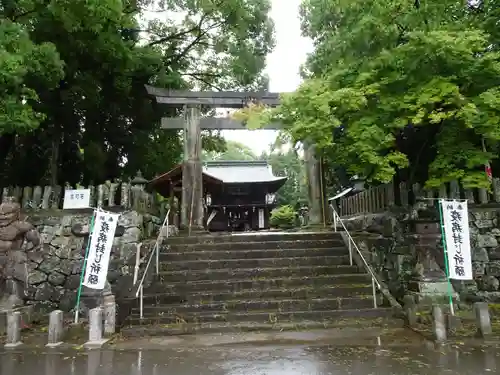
{"x":241,"y":171}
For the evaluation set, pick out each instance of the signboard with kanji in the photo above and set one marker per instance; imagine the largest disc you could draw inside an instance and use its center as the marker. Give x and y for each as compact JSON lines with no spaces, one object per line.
{"x":457,"y":239}
{"x":76,"y":199}
{"x":101,"y":242}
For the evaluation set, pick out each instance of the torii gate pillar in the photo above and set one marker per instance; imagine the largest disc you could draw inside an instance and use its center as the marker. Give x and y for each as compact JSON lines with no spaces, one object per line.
{"x":192,"y":172}
{"x":316,"y":193}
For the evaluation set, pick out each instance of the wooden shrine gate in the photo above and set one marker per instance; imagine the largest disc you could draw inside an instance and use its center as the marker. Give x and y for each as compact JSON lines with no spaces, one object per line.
{"x":192,"y":123}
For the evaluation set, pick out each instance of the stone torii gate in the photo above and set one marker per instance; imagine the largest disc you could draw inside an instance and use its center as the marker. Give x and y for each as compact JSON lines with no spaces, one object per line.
{"x":192,"y":123}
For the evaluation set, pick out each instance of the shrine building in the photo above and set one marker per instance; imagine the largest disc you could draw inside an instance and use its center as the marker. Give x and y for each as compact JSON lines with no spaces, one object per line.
{"x":237,"y":195}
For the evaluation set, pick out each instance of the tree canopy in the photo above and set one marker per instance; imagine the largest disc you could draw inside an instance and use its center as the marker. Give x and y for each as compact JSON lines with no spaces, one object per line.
{"x":289,"y":163}
{"x":399,"y":88}
{"x":232,"y":150}
{"x":73,"y":106}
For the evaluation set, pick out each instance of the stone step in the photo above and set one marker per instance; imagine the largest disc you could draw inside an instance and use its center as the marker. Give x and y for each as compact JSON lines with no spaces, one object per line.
{"x":171,"y":256}
{"x":261,"y":316}
{"x":273,"y":306}
{"x":205,"y":264}
{"x":170,"y":246}
{"x":258,"y":284}
{"x":254,"y":237}
{"x":252,"y":273}
{"x":384,"y":321}
{"x":251,"y":294}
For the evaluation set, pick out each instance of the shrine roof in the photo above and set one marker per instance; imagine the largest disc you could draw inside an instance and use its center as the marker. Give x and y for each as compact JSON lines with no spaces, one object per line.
{"x":237,"y":172}
{"x":223,"y":172}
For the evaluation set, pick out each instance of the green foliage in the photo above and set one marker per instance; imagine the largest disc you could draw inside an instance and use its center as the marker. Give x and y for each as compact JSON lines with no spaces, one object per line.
{"x":283,"y":217}
{"x":399,"y":88}
{"x":24,"y":65}
{"x":73,"y":107}
{"x":231,"y":150}
{"x":290,"y":164}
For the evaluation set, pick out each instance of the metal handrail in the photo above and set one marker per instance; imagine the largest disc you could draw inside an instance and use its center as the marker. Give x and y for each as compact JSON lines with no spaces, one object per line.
{"x":375,"y":283}
{"x":155,"y":251}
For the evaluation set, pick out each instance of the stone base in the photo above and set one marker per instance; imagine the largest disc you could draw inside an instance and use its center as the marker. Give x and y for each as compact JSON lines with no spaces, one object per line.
{"x":194,"y":232}
{"x":12,"y":346}
{"x":431,"y":292}
{"x":95,"y":344}
{"x":55,"y":345}
{"x":26,"y":315}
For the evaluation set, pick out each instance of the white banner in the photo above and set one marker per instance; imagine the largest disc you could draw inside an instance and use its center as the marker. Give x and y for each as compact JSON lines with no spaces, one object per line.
{"x":101,"y":242}
{"x":457,"y":237}
{"x":76,"y":199}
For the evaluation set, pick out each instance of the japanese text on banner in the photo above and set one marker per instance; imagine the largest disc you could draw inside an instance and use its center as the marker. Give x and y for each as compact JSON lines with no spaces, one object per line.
{"x":457,"y":239}
{"x":99,"y":252}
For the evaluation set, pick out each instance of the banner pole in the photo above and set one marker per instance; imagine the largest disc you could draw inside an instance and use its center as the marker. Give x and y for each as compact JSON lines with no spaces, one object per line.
{"x":82,"y":274}
{"x":447,"y":270}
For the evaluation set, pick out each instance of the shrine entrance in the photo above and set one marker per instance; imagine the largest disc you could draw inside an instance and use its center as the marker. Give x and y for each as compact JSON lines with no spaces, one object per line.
{"x":200,"y":190}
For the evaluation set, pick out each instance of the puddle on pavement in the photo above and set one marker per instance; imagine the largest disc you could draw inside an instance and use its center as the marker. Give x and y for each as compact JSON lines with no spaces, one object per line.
{"x":266,"y":360}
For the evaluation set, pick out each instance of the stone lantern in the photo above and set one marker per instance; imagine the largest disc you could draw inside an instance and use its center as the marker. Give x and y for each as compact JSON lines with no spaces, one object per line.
{"x":139,"y":182}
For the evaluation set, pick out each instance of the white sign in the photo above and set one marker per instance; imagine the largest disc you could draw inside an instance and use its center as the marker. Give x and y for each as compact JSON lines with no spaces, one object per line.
{"x":261,"y":218}
{"x":101,"y":242}
{"x":457,"y":239}
{"x":76,"y":199}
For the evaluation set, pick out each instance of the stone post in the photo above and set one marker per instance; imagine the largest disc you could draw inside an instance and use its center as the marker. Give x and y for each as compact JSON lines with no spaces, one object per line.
{"x":483,"y":320}
{"x":410,"y":311}
{"x":13,"y":330}
{"x":109,"y":315}
{"x":314,"y":180}
{"x":56,"y":328}
{"x":95,"y":329}
{"x":192,"y":183}
{"x":438,"y":324}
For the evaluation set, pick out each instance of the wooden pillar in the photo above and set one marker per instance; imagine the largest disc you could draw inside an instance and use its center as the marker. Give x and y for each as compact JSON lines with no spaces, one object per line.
{"x":192,"y":183}
{"x":315,"y":194}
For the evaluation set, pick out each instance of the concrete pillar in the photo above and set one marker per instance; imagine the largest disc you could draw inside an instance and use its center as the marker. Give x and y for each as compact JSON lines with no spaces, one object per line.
{"x":56,"y":328}
{"x":410,"y":310}
{"x":314,"y":180}
{"x":109,"y":315}
{"x":192,"y":183}
{"x":95,"y":329}
{"x":438,"y":324}
{"x":483,"y":319}
{"x":13,"y":330}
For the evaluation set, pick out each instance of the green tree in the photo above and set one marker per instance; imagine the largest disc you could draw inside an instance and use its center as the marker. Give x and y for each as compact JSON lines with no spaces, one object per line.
{"x":399,"y":88}
{"x":231,"y":150}
{"x":98,"y":104}
{"x":290,"y":164}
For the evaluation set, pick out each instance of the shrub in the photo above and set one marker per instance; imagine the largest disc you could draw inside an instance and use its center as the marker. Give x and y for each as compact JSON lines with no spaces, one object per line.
{"x":283,"y":217}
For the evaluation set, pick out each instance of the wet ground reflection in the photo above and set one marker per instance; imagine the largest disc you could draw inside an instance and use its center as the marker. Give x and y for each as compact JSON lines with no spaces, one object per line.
{"x":300,"y":360}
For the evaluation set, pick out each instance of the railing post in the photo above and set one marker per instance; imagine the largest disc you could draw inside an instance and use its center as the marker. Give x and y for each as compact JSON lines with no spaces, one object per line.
{"x":157,"y":250}
{"x":334,"y":213}
{"x":374,"y":291}
{"x":141,"y":302}
{"x":350,"y":252}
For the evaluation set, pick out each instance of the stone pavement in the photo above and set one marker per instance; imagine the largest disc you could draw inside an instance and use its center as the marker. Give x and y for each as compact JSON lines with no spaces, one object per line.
{"x":258,"y":360}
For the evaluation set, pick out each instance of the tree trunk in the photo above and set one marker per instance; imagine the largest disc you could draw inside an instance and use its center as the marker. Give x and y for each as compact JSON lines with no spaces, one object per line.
{"x":6,"y":143}
{"x":54,"y":160}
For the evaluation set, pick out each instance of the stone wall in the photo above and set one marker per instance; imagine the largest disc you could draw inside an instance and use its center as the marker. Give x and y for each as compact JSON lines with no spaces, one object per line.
{"x":485,"y":234}
{"x":382,"y":241}
{"x":54,"y":272}
{"x":405,"y":247}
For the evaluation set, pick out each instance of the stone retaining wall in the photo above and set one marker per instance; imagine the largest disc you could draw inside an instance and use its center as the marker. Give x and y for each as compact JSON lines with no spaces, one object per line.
{"x":394,"y":243}
{"x":54,"y":272}
{"x":485,"y":234}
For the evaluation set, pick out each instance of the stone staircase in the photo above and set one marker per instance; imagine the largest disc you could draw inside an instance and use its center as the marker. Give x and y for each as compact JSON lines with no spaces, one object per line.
{"x":216,"y":283}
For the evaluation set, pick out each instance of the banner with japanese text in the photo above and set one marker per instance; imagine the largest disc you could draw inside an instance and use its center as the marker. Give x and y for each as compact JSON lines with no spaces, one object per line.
{"x":101,"y":242}
{"x":457,"y":239}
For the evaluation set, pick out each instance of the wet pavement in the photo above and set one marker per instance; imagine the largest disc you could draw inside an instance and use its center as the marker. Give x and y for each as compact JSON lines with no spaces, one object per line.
{"x":258,"y":360}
